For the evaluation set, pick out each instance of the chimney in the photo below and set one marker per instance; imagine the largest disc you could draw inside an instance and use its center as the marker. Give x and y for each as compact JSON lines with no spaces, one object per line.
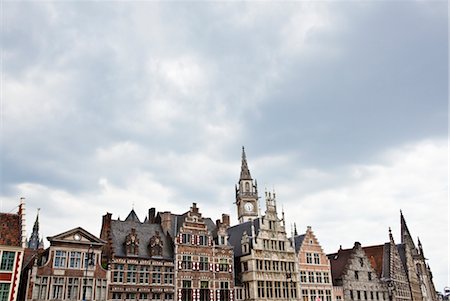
{"x":226,"y":220}
{"x":151,"y":215}
{"x":166,"y":221}
{"x":21,"y":214}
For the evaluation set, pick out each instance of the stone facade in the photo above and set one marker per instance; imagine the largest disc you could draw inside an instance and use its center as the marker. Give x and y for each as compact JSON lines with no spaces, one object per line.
{"x":314,"y":267}
{"x":418,"y":272}
{"x":140,"y":258}
{"x":265,"y":259}
{"x":352,"y":270}
{"x":70,"y":269}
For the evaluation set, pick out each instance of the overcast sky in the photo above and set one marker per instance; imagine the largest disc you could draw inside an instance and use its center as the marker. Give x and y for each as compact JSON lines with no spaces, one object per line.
{"x":342,"y":107}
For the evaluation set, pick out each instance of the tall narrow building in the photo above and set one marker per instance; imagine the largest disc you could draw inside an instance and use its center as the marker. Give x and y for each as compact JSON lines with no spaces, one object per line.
{"x":418,"y":272}
{"x":265,"y":259}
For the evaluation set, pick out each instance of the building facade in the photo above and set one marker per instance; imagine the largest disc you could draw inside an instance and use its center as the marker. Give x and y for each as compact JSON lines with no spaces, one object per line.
{"x":314,"y":267}
{"x":351,"y":269}
{"x":70,"y":269}
{"x":265,"y":259}
{"x":139,"y":256}
{"x":203,"y":257}
{"x":12,"y":244}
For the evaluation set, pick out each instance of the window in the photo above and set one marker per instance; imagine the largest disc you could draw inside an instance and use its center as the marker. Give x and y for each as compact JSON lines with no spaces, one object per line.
{"x":60,"y":259}
{"x":203,"y":240}
{"x":358,"y":295}
{"x":143,"y":275}
{"x":72,"y":288}
{"x":311,"y":277}
{"x":369,"y":275}
{"x":269,"y":291}
{"x":57,"y":288}
{"x":117,"y":296}
{"x":156,"y":296}
{"x":245,"y":266}
{"x":361,"y":262}
{"x":371,"y":295}
{"x":356,"y":276}
{"x":7,"y":261}
{"x":305,"y":295}
{"x":186,"y":238}
{"x":365,"y":295}
{"x":260,"y":289}
{"x":321,"y":295}
{"x":156,"y":276}
{"x":143,"y":296}
{"x":131,"y":273}
{"x":4,"y":291}
{"x":75,"y":260}
{"x":224,"y":291}
{"x":309,"y":258}
{"x":168,"y":296}
{"x":328,"y":295}
{"x":303,"y":276}
{"x":312,"y":295}
{"x":186,"y":264}
{"x":40,"y":291}
{"x":277,"y":289}
{"x":203,"y":264}
{"x":186,"y":291}
{"x":87,"y":288}
{"x":223,"y":265}
{"x":89,"y":260}
{"x":326,"y":277}
{"x":118,"y":273}
{"x":204,"y":291}
{"x":351,"y":295}
{"x":100,"y":292}
{"x":316,"y":258}
{"x":319,"y":277}
{"x":168,"y":276}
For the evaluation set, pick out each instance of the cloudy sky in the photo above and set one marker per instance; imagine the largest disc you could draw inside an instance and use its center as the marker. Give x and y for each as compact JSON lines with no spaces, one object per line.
{"x":342,"y":107}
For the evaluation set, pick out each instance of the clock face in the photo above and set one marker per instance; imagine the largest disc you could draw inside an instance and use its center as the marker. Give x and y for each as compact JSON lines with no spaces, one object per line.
{"x":248,"y":207}
{"x":77,"y":237}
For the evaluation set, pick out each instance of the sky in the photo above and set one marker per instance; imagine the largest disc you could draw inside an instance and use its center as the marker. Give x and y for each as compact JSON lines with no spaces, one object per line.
{"x":342,"y":107}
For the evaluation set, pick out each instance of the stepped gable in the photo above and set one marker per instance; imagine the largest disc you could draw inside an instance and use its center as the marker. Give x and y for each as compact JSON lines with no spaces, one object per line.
{"x":144,"y":232}
{"x":236,"y":232}
{"x":298,"y":241}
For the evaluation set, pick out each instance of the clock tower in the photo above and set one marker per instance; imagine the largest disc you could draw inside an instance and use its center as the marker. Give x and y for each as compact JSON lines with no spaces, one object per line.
{"x":246,"y":193}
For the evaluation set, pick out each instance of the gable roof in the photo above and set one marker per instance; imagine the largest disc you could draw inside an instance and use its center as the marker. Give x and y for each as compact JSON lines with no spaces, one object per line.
{"x":67,"y":237}
{"x":298,"y":241}
{"x":144,"y":232}
{"x":379,"y":259}
{"x":338,"y":262}
{"x":236,"y":232}
{"x":132,"y":216}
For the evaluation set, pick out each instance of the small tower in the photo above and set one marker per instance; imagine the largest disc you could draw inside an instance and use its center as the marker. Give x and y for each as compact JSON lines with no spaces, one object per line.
{"x":34,"y":242}
{"x":246,"y":193}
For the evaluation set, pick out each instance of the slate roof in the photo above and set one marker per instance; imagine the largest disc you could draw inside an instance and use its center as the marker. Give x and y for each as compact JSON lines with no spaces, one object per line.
{"x":298,"y":240}
{"x":402,"y":253}
{"x":177,"y":221}
{"x":144,"y":231}
{"x":338,"y":261}
{"x":235,"y":234}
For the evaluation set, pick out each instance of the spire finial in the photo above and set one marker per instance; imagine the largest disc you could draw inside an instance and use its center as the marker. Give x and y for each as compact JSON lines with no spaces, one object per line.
{"x":245,"y":172}
{"x":295,"y":229}
{"x":391,"y":238}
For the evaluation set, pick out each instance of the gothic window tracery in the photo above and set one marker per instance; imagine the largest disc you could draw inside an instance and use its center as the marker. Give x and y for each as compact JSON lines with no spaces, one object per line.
{"x":132,"y":243}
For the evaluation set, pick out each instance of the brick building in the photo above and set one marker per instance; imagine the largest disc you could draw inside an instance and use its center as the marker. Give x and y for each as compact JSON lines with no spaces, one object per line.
{"x":12,"y":244}
{"x":70,"y":269}
{"x":203,"y":257}
{"x":314,"y":267}
{"x":140,"y":258}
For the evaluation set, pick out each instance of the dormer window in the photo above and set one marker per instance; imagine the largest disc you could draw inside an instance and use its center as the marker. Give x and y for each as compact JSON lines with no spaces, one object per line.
{"x":156,"y":245}
{"x":132,"y":243}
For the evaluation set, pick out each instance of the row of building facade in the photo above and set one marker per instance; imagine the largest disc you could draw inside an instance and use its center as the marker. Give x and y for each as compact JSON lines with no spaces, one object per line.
{"x":189,"y":257}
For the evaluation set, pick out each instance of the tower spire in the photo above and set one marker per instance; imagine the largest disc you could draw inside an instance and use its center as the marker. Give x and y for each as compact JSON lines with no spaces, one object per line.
{"x":245,"y":172}
{"x":34,"y":242}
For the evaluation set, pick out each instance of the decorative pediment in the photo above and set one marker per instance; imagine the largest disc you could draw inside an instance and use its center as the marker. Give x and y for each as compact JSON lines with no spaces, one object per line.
{"x":155,"y":245}
{"x":76,"y":236}
{"x":132,"y":243}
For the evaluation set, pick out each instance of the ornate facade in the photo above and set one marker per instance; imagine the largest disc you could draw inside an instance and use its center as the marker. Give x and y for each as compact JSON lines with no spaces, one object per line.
{"x":140,"y":258}
{"x":265,"y":259}
{"x":352,"y":270}
{"x":70,"y":269}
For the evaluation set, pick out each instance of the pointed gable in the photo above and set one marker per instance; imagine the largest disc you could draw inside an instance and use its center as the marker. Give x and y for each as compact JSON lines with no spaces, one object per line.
{"x":132,"y":216}
{"x":76,"y":236}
